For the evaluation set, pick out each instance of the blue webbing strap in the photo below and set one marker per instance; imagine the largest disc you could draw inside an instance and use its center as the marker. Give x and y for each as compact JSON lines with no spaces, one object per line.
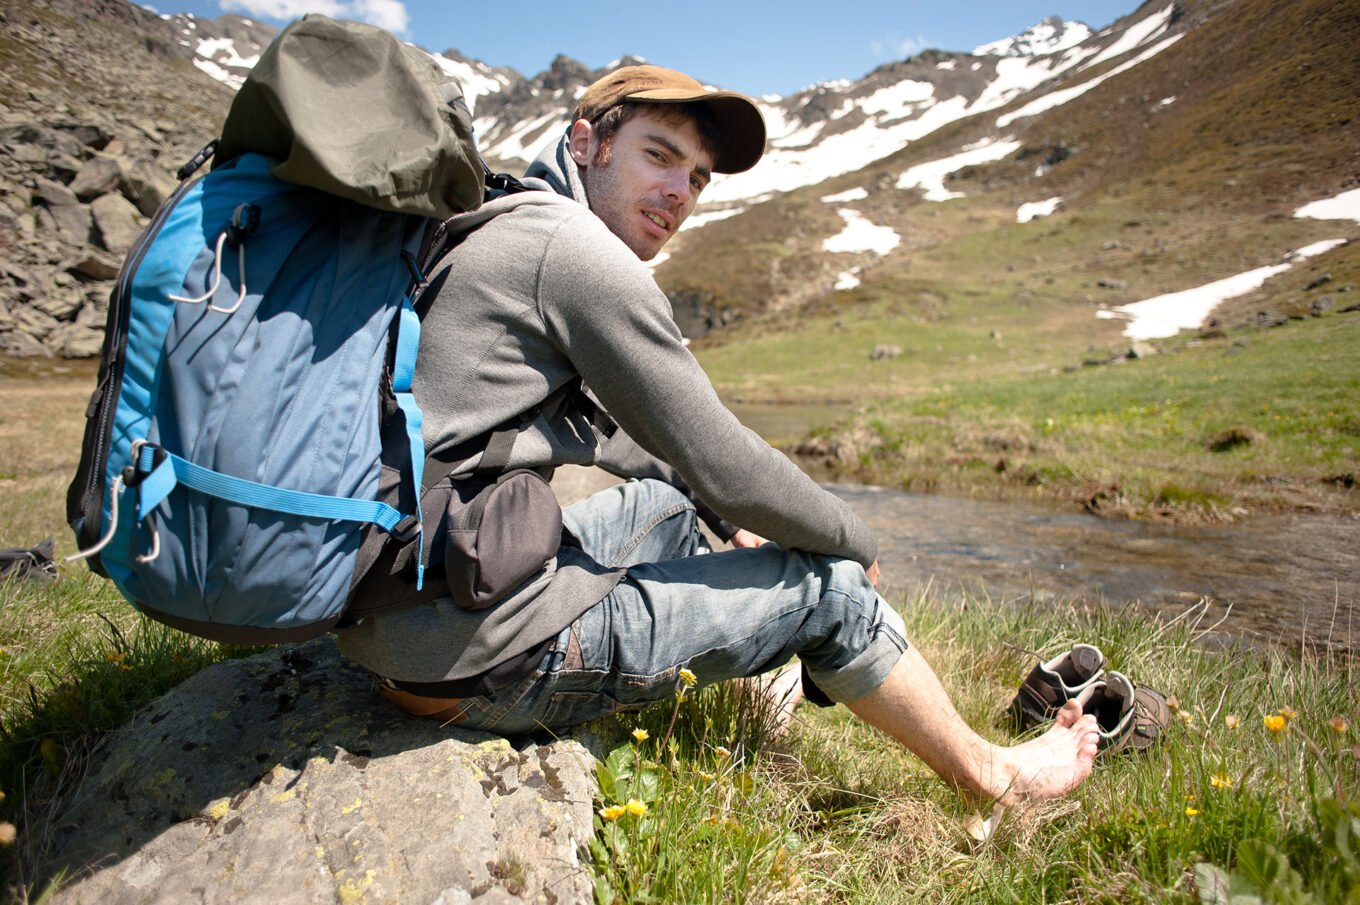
{"x":408,"y":343}
{"x":172,"y":470}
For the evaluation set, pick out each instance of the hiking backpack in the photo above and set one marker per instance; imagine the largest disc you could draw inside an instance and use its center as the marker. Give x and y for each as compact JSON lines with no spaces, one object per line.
{"x":252,"y":435}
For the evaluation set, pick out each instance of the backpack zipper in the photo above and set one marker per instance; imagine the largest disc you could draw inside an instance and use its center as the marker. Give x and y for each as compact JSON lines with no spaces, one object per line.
{"x":105,"y":396}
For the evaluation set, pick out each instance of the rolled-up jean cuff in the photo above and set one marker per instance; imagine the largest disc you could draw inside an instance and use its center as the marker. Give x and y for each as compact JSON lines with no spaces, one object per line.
{"x":871,"y":668}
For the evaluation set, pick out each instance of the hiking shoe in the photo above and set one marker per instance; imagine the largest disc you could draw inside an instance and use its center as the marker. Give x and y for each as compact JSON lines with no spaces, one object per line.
{"x":1131,"y":717}
{"x":1050,"y":685}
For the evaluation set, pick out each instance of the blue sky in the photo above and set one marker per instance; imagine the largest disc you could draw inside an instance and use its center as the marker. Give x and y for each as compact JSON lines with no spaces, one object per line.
{"x":756,"y":47}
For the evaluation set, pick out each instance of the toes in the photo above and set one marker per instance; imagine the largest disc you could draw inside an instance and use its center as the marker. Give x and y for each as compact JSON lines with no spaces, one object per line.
{"x":1068,"y":715}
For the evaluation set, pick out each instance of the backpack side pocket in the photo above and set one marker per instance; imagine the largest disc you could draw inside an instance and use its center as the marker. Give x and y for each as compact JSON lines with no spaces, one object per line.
{"x":502,"y":538}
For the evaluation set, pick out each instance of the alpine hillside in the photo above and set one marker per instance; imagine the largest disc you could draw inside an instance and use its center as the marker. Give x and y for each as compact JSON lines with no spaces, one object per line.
{"x":1169,"y":150}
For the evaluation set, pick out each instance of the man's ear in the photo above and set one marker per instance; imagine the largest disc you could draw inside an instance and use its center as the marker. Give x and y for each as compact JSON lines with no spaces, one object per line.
{"x":578,"y":142}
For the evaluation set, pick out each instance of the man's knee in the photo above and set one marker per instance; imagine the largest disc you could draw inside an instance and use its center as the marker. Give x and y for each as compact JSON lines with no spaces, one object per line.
{"x":861,"y":636}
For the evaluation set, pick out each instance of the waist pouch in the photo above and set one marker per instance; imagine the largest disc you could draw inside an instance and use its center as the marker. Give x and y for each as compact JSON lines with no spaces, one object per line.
{"x":501,"y":538}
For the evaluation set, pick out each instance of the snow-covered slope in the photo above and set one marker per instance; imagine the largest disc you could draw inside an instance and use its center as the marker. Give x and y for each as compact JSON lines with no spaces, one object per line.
{"x":826,"y":130}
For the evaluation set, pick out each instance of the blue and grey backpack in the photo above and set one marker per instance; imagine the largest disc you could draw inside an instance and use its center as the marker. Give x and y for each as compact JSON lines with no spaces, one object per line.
{"x":252,"y":439}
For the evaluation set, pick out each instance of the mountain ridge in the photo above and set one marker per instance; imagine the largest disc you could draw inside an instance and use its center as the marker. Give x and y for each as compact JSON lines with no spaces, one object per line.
{"x":1043,"y":121}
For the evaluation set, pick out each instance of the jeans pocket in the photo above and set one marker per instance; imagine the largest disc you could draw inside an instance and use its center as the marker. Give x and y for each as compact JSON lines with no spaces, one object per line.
{"x":579,"y":697}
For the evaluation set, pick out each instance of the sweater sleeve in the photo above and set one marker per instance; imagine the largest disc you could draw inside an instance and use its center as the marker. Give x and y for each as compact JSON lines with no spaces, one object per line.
{"x":601,"y":306}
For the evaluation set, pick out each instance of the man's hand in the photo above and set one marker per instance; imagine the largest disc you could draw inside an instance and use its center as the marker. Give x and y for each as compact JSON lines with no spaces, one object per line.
{"x":744,"y":538}
{"x":872,"y":572}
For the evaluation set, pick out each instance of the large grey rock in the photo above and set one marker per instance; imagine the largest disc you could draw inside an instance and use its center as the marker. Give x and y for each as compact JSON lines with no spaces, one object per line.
{"x":286,"y":778}
{"x":19,"y":344}
{"x":76,"y":341}
{"x":72,"y":217}
{"x":99,"y":175}
{"x":147,"y":184}
{"x":95,"y":264}
{"x":117,"y":222}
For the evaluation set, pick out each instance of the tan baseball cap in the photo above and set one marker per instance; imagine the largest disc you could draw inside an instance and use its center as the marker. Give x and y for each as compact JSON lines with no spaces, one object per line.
{"x":740,"y":125}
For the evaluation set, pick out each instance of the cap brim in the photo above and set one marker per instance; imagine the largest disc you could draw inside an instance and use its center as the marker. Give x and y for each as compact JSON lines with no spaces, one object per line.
{"x":739,"y":121}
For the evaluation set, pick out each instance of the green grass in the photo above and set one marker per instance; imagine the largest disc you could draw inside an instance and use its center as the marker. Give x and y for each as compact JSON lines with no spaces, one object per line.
{"x":834,"y":812}
{"x":831,"y":811}
{"x":994,"y":396}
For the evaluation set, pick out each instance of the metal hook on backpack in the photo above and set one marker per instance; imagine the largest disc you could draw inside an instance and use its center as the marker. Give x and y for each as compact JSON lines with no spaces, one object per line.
{"x":155,"y":544}
{"x":244,"y":221}
{"x":117,"y":489}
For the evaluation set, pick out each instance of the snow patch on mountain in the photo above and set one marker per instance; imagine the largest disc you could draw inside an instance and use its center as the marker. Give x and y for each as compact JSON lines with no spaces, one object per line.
{"x":1062,"y":96}
{"x":1136,"y":35}
{"x":784,"y":169}
{"x":474,"y":81}
{"x":855,"y":194}
{"x":1031,"y":210}
{"x":1345,"y":206}
{"x":1048,"y":36}
{"x":930,"y":176}
{"x":1167,"y":315}
{"x":861,"y":235}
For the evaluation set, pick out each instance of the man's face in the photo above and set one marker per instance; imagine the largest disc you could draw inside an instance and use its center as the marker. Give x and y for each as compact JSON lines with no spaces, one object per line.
{"x":647,"y":181}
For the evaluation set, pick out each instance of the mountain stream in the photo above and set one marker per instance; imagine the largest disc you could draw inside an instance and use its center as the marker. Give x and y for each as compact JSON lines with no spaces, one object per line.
{"x":1274,"y":577}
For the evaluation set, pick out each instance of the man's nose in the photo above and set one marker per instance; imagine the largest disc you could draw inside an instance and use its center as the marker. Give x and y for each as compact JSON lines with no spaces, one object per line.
{"x":677,"y":186}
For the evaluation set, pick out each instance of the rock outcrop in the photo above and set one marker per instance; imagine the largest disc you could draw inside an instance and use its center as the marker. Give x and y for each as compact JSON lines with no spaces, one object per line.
{"x":285,"y":778}
{"x":99,"y":105}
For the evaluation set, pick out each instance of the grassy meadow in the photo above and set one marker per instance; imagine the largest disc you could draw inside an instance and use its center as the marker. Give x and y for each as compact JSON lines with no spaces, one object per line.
{"x":1007,"y":384}
{"x":1254,"y":792}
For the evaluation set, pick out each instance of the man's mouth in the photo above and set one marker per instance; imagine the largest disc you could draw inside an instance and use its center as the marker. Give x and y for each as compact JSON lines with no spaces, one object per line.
{"x":660,"y":222}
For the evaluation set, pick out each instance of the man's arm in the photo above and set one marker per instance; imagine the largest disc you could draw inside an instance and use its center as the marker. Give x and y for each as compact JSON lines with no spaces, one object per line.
{"x":621,"y":456}
{"x":605,"y":312}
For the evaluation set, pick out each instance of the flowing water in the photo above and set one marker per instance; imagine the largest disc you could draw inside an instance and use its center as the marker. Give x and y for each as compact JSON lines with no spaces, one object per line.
{"x":1277,"y":577}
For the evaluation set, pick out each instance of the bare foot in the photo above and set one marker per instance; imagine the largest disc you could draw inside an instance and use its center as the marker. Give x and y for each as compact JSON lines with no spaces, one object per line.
{"x":1049,"y":766}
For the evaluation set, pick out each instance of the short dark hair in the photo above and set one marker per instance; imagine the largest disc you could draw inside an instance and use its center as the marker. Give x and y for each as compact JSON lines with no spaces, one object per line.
{"x":608,"y":123}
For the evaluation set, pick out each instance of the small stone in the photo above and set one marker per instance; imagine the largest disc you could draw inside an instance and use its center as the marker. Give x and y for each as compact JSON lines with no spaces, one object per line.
{"x":96,"y":265}
{"x":1141,"y":350}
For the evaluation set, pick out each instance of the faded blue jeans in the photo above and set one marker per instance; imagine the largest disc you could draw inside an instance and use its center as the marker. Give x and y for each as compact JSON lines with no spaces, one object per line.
{"x":721,"y":615}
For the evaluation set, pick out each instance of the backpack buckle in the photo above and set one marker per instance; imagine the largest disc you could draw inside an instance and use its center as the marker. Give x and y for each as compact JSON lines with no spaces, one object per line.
{"x":406,"y":530}
{"x":244,"y":221}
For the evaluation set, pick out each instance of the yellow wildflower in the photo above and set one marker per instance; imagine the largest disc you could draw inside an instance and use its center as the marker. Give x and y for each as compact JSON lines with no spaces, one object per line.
{"x":1288,"y":712}
{"x":1232,"y":721}
{"x":1187,"y":718}
{"x":635,"y":807}
{"x":612,"y":813}
{"x":1173,"y":703}
{"x":1275,"y":723}
{"x":114,"y":656}
{"x":641,"y":735}
{"x":707,"y":777}
{"x":723,"y":753}
{"x":1337,"y":725}
{"x":1220,"y":781}
{"x":688,"y":679}
{"x":1192,"y":812}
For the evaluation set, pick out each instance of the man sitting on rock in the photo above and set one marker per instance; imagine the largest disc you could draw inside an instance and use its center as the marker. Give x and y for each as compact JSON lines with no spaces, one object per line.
{"x":548,"y":288}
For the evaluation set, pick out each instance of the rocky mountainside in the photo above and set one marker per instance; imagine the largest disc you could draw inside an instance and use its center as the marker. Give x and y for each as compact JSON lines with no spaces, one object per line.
{"x":100,"y":101}
{"x":99,"y":105}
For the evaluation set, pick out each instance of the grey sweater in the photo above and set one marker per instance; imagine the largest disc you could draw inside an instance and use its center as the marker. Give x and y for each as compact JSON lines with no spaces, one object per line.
{"x":537,"y":293}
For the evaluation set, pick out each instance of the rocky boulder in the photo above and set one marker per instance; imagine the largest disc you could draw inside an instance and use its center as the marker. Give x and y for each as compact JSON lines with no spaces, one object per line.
{"x":285,"y":778}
